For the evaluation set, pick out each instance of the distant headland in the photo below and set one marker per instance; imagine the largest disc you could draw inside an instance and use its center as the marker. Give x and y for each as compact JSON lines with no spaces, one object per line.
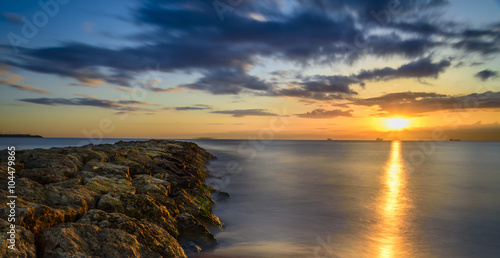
{"x":18,"y":135}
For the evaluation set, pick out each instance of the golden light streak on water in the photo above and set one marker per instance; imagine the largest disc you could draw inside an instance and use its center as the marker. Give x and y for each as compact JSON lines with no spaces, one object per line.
{"x":393,"y":209}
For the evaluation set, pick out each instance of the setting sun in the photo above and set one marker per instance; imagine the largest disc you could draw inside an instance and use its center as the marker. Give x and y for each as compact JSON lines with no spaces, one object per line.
{"x":397,"y":123}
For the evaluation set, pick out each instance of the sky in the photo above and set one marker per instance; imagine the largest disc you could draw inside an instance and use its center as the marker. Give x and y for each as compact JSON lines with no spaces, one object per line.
{"x":240,"y":69}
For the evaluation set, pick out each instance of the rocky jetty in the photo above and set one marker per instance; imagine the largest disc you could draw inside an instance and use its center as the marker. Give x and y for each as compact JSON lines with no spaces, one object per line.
{"x":129,"y":199}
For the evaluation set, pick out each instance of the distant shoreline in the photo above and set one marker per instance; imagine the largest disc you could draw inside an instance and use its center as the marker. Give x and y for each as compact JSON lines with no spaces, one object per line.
{"x":21,"y":136}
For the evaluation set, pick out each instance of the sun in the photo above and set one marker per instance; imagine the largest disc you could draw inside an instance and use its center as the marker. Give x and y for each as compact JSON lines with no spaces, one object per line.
{"x":397,"y":123}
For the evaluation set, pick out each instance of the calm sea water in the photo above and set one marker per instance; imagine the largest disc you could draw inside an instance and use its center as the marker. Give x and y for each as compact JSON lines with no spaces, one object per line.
{"x":353,"y":198}
{"x":358,"y":199}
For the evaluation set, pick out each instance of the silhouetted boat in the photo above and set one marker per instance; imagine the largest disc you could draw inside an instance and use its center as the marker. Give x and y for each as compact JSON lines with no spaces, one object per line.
{"x":379,"y":139}
{"x":454,"y":140}
{"x":329,"y":139}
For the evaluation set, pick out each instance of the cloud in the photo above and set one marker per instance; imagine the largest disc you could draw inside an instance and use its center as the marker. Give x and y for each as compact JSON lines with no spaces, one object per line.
{"x":484,"y":75}
{"x":415,"y":103}
{"x":12,"y":80}
{"x":123,"y":105}
{"x":180,"y":36}
{"x":195,"y":107}
{"x":484,"y":41}
{"x":28,"y":88}
{"x":228,"y":81}
{"x":321,"y":87}
{"x":418,"y":69}
{"x":304,"y":35}
{"x":157,"y":89}
{"x":14,"y":18}
{"x":245,"y":112}
{"x":322,"y":113}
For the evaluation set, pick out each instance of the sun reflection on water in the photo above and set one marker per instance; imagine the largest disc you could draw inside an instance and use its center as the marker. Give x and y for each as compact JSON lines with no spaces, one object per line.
{"x":393,"y":208}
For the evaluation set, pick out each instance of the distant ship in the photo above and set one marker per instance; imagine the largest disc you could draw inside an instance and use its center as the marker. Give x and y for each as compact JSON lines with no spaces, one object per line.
{"x":454,"y":140}
{"x":329,"y":139}
{"x":18,"y":135}
{"x":379,"y":139}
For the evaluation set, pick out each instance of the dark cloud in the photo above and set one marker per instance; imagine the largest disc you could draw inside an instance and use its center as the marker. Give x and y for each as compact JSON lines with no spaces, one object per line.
{"x":484,"y":41}
{"x":195,"y":107}
{"x":228,"y":81}
{"x":329,"y":84}
{"x":484,"y":75}
{"x":322,"y":87}
{"x":124,"y":105}
{"x":323,"y":113}
{"x":481,"y":46}
{"x":419,"y":27}
{"x":386,"y":46}
{"x":190,"y":37}
{"x":14,"y":18}
{"x":418,"y":69}
{"x":304,"y":94}
{"x":411,"y":103}
{"x":245,"y":112}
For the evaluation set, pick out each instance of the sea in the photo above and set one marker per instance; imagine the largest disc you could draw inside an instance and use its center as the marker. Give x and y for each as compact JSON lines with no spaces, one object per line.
{"x":348,"y":198}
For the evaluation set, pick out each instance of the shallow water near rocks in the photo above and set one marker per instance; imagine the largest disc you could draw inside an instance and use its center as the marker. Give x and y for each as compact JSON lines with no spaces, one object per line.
{"x":357,"y":199}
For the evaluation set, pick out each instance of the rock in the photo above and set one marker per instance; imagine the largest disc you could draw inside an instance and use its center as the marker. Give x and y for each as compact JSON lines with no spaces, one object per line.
{"x":219,"y":195}
{"x":155,"y":238}
{"x":191,"y":247}
{"x":147,"y":184}
{"x":107,"y":169}
{"x":140,"y":207}
{"x":138,"y":157}
{"x":24,"y":245}
{"x":104,"y":185}
{"x":40,"y":217}
{"x":84,"y":240}
{"x":193,"y":231}
{"x":47,"y":167}
{"x":103,"y":200}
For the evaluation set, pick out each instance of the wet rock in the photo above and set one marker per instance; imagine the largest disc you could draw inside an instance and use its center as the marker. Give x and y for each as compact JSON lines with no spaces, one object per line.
{"x":193,"y":231}
{"x":191,"y":247}
{"x":219,"y":195}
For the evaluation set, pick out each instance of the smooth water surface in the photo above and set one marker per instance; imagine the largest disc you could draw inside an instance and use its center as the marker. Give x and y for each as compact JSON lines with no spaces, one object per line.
{"x":358,"y":199}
